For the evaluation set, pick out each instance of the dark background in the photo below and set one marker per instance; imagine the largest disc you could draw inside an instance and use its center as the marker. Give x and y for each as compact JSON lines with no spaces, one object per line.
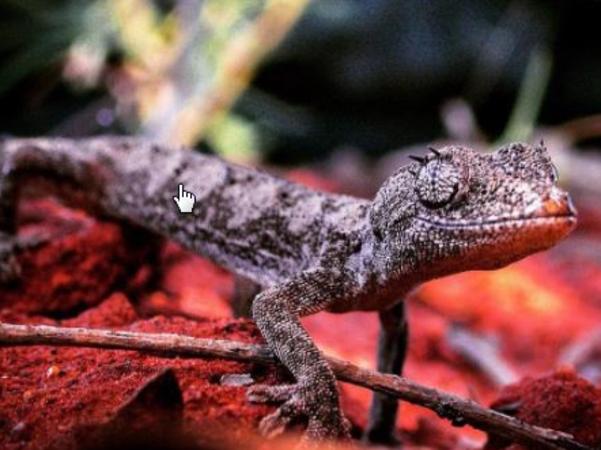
{"x":371,"y":74}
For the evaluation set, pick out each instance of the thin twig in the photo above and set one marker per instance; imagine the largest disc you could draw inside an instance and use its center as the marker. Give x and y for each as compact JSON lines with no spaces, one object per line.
{"x":446,"y":405}
{"x":482,"y":354}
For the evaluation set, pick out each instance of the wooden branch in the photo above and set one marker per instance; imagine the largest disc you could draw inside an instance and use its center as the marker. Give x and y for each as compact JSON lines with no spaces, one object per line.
{"x":448,"y":406}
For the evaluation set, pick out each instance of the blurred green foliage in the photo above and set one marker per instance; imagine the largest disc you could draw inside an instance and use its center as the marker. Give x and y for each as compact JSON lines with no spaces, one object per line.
{"x":35,"y":34}
{"x":292,"y":78}
{"x":179,"y":66}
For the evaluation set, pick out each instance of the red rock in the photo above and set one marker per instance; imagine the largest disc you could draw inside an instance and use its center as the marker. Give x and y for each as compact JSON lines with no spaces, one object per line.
{"x":82,"y":262}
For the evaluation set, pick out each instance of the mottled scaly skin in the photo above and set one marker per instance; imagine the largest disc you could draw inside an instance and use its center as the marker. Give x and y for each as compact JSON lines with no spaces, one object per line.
{"x":451,"y":211}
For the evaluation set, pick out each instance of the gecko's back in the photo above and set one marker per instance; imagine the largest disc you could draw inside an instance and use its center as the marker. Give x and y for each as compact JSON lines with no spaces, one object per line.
{"x":245,"y":220}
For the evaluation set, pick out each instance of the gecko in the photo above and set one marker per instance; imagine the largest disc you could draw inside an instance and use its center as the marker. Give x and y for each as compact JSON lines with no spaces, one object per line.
{"x":448,"y":211}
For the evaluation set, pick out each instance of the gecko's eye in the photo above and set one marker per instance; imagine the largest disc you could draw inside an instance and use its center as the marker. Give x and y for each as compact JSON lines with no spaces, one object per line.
{"x":554,"y":174}
{"x":437,"y":183}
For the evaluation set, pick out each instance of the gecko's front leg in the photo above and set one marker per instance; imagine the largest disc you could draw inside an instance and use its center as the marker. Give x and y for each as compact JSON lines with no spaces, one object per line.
{"x":314,"y":397}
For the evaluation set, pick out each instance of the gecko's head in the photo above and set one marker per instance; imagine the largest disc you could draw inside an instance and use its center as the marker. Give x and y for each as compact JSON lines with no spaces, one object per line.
{"x":457,"y":209}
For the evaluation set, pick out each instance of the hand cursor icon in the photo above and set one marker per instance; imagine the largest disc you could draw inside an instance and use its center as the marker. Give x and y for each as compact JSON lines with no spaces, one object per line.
{"x":184,"y":200}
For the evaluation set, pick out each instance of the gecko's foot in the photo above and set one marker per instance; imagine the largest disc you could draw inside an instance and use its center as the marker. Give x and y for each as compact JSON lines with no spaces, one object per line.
{"x":10,"y":246}
{"x":10,"y":271}
{"x":324,"y":418}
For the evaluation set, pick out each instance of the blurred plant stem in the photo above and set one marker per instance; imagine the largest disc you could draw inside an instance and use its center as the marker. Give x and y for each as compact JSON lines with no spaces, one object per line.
{"x":213,"y":61}
{"x":173,"y":69}
{"x":530,"y":98}
{"x":146,"y":37}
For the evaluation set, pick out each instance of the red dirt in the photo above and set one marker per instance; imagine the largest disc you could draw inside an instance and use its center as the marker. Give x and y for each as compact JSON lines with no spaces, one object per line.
{"x":48,"y":395}
{"x":76,"y":398}
{"x":560,"y":401}
{"x":79,"y":265}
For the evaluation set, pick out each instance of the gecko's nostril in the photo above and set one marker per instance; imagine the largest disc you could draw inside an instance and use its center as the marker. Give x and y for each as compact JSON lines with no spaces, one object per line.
{"x":571,"y":206}
{"x":557,"y":204}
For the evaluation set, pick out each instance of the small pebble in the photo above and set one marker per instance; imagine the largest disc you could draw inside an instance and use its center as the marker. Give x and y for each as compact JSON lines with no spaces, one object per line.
{"x":53,"y":370}
{"x":19,"y":428}
{"x":236,"y":379}
{"x":21,"y":432}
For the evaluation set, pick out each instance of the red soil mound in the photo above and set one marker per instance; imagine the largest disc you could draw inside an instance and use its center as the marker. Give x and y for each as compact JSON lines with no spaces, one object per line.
{"x":78,"y":262}
{"x":76,"y":397}
{"x":560,"y":401}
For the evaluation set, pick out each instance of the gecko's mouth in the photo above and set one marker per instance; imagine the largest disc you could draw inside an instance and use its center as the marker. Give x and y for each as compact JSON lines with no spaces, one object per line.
{"x":489,"y":245}
{"x":567,"y":219}
{"x":556,"y":211}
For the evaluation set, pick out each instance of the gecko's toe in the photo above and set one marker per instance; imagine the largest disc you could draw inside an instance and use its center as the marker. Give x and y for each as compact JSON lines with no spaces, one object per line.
{"x":263,"y":393}
{"x":10,"y":270}
{"x":323,"y":423}
{"x":10,"y":247}
{"x":335,"y":427}
{"x":292,"y":408}
{"x":275,"y":423}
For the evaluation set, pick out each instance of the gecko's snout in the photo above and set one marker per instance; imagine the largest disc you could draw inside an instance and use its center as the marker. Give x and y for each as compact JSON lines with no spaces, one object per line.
{"x":559,"y":214}
{"x":558,"y":203}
